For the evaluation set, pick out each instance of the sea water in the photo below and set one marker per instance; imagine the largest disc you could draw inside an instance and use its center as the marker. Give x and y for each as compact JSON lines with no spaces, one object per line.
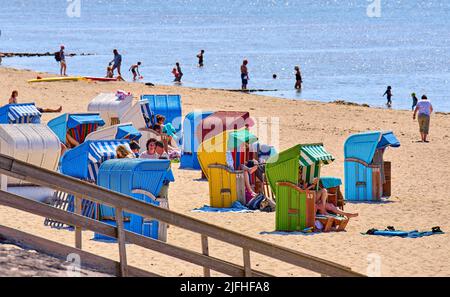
{"x":347,"y":49}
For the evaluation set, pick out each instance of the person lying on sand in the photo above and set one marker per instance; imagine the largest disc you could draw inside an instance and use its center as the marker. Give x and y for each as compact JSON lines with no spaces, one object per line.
{"x":14,"y":100}
{"x":321,"y":199}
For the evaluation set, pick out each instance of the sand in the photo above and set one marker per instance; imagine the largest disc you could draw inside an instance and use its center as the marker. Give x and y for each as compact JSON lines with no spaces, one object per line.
{"x":420,"y":188}
{"x":18,"y":262}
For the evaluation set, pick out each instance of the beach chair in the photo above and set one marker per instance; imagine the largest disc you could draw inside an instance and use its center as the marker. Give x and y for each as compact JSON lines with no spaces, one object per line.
{"x":83,"y":162}
{"x":367,"y":174}
{"x":219,"y":122}
{"x":22,"y":113}
{"x":140,"y":179}
{"x":120,"y":131}
{"x":296,"y":209}
{"x":76,"y":125}
{"x":33,"y":143}
{"x":190,"y":140}
{"x":167,"y":105}
{"x":226,"y":182}
{"x":110,"y":107}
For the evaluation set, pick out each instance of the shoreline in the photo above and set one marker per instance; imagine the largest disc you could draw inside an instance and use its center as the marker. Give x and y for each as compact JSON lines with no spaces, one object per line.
{"x":256,"y":92}
{"x":419,"y":196}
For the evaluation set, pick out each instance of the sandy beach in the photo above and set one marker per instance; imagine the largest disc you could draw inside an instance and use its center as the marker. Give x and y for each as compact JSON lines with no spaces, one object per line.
{"x":420,"y":191}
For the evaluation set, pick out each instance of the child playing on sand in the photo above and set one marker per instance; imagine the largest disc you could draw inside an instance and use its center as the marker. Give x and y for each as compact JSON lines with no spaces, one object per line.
{"x":109,"y":72}
{"x":388,"y":95}
{"x":135,"y":70}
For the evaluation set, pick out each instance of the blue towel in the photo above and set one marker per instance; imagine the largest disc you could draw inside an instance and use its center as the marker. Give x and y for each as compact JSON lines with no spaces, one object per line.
{"x":403,"y":234}
{"x":236,"y":207}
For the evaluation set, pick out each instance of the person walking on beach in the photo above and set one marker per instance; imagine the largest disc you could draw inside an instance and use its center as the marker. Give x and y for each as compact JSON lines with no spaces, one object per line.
{"x":424,"y":109}
{"x":180,"y":73}
{"x":200,"y":58}
{"x":116,"y":62}
{"x":298,"y":78}
{"x":244,"y":74}
{"x":61,"y":58}
{"x":388,"y":95}
{"x":414,"y":100}
{"x":135,"y":70}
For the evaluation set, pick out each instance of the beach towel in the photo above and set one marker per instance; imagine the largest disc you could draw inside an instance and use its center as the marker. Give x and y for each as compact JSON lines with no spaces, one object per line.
{"x":235,"y":207}
{"x":391,"y":232}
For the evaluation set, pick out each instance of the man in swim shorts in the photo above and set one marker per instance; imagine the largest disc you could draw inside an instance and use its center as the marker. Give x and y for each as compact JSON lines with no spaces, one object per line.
{"x":244,"y":74}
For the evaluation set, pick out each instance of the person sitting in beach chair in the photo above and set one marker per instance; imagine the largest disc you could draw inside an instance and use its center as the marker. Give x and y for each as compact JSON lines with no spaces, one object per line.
{"x":150,"y":153}
{"x":123,"y":153}
{"x":249,"y":169}
{"x":70,"y":141}
{"x":322,"y":205}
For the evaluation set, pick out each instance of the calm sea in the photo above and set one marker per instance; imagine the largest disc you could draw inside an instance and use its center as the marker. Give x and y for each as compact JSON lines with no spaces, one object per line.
{"x":343,"y":52}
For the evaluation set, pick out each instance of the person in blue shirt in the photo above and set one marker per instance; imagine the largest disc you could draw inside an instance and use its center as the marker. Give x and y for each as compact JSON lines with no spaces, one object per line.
{"x":116,"y":62}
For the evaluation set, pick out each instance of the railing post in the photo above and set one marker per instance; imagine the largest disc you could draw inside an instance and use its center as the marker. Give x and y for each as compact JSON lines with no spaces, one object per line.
{"x":78,"y":229}
{"x":205,"y":251}
{"x":247,"y":265}
{"x":121,"y":241}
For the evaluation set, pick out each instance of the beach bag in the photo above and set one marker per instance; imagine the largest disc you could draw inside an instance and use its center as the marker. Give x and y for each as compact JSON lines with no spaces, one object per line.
{"x":255,"y":202}
{"x":58,"y":56}
{"x":267,"y":205}
{"x":121,"y":95}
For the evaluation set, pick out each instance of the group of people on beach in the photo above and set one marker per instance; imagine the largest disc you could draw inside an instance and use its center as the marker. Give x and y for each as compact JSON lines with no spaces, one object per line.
{"x":116,"y":63}
{"x":421,"y":108}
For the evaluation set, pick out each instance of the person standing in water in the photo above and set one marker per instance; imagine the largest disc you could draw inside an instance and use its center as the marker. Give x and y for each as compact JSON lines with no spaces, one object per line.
{"x":425,"y":109}
{"x":200,"y":58}
{"x":414,"y":100}
{"x":244,"y":74}
{"x":180,"y":73}
{"x":298,"y":78}
{"x":62,"y":61}
{"x":116,"y":62}
{"x":135,"y":70}
{"x":388,"y":95}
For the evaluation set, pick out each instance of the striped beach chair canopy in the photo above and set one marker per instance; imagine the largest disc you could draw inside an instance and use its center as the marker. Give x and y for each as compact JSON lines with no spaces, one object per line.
{"x":147,"y":113}
{"x":312,"y":157}
{"x":84,"y":161}
{"x":23,"y":113}
{"x":284,"y":166}
{"x":77,"y":125}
